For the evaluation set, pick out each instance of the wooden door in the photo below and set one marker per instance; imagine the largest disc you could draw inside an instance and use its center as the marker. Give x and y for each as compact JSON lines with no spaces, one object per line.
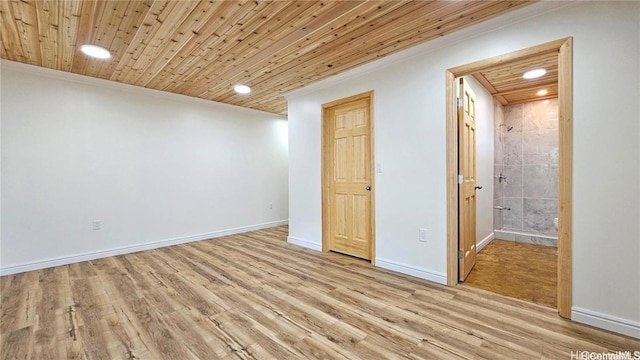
{"x":467,"y":185}
{"x":347,"y":189}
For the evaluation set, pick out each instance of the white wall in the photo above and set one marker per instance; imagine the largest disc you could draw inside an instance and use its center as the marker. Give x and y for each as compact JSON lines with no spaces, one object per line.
{"x":484,"y":162}
{"x":151,"y":166}
{"x":409,"y":108}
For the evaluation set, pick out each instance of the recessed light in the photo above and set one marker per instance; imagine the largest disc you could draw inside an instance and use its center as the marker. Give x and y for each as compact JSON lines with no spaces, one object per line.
{"x":95,"y":51}
{"x":535,"y":73}
{"x":241,"y":89}
{"x":542,"y":92}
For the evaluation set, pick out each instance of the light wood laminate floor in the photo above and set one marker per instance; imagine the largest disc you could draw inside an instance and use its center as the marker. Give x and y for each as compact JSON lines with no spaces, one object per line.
{"x":253,"y":296}
{"x":524,"y":271}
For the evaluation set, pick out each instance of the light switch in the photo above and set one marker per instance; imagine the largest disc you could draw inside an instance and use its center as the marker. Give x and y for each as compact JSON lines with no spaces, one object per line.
{"x":379,"y":168}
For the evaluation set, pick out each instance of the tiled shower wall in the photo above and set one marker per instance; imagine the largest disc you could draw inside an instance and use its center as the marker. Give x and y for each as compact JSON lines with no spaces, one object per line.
{"x":527,"y":155}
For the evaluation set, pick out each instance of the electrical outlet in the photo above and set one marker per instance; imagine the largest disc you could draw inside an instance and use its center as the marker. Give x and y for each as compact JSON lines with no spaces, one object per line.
{"x":96,"y":224}
{"x":423,"y":235}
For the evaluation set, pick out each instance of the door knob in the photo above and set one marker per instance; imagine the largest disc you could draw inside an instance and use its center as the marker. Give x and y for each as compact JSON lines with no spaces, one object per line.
{"x":478,"y":187}
{"x":368,"y":188}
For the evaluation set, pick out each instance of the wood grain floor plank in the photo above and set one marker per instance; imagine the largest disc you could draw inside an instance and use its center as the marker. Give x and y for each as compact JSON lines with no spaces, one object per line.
{"x":17,"y":344}
{"x":19,"y":302}
{"x":254,"y":296}
{"x":524,"y":271}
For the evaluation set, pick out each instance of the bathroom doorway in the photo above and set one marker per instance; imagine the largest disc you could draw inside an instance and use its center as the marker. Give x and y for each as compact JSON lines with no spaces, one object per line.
{"x":517,"y":257}
{"x":527,"y":58}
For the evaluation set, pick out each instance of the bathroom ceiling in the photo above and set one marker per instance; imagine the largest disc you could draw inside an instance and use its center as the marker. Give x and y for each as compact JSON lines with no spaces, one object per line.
{"x":506,"y":84}
{"x":203,"y":48}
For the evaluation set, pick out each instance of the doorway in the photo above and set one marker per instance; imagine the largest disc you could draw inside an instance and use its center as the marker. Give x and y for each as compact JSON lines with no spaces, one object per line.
{"x":563,"y":49}
{"x":517,"y":255}
{"x":347,"y":181}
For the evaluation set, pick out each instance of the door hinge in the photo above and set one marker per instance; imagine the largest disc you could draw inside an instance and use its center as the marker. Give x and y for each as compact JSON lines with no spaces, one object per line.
{"x":459,"y":102}
{"x":460,"y":179}
{"x":460,"y":254}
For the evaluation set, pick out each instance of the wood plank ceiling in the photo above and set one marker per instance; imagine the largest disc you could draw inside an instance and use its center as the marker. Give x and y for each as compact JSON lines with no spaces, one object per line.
{"x":203,"y":48}
{"x":506,"y":84}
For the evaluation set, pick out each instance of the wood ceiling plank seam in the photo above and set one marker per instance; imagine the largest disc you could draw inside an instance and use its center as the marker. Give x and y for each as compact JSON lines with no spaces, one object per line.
{"x":133,"y":48}
{"x":456,"y":20}
{"x":114,"y":41}
{"x":30,"y":33}
{"x":268,"y":46}
{"x":518,"y":83}
{"x":60,"y":45}
{"x":517,"y":78}
{"x":549,"y":85}
{"x":546,"y":58}
{"x":107,"y":30}
{"x":48,"y":30}
{"x":169,"y":21}
{"x":208,"y":97}
{"x":311,"y":56}
{"x":147,"y":28}
{"x":228,"y":40}
{"x":313,"y":60}
{"x":251,"y":27}
{"x":529,"y":95}
{"x":530,"y":99}
{"x":510,"y":75}
{"x":29,"y":30}
{"x":222,"y":19}
{"x":3,"y":51}
{"x":70,"y":17}
{"x":411,"y":24}
{"x":182,"y":71}
{"x":460,"y":22}
{"x":320,"y":23}
{"x":219,"y":21}
{"x":236,"y":52}
{"x":330,"y":32}
{"x":4,"y":12}
{"x":292,"y":86}
{"x":84,"y":34}
{"x":384,"y":50}
{"x":363,"y":28}
{"x":126,"y":30}
{"x":183,"y":33}
{"x":101,"y":34}
{"x":362,"y":20}
{"x":10,"y":34}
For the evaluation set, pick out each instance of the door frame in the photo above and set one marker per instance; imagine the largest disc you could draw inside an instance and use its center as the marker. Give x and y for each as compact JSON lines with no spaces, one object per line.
{"x":564,"y":47}
{"x":326,"y":127}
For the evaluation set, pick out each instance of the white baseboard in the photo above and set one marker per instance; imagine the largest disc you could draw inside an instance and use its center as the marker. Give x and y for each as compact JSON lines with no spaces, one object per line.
{"x":607,"y":322}
{"x":484,"y":242}
{"x":43,"y":264}
{"x":421,"y":273}
{"x":304,"y":243}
